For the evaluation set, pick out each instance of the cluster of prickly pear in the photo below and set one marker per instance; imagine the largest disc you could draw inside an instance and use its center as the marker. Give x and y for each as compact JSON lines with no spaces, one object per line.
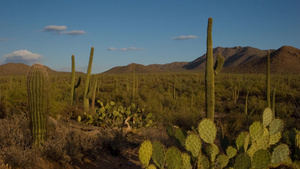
{"x":172,"y":158}
{"x":261,"y":137}
{"x":207,"y":131}
{"x":257,"y":148}
{"x":112,"y":115}
{"x":37,"y":89}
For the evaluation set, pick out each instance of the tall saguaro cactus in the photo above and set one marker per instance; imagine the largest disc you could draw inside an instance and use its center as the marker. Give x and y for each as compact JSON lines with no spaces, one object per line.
{"x":73,"y":86}
{"x":87,"y":83}
{"x":209,"y":74}
{"x":268,"y":81}
{"x":133,"y":82}
{"x":210,"y":71}
{"x":37,"y":88}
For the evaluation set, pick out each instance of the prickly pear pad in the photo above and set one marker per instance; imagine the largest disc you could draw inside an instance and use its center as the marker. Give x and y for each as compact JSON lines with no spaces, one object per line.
{"x":193,"y":144}
{"x":240,"y":140}
{"x":222,"y":161}
{"x":173,"y":158}
{"x":231,"y":151}
{"x":145,"y":152}
{"x":158,"y":154}
{"x":212,"y":150}
{"x":186,"y":161}
{"x":261,"y":159}
{"x":242,"y":161}
{"x":280,"y":154}
{"x":267,"y":117}
{"x":276,"y":126}
{"x":256,"y":130}
{"x":275,"y":138}
{"x":207,"y":130}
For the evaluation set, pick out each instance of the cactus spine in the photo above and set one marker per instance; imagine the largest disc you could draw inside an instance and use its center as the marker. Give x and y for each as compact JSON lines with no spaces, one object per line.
{"x":209,"y":74}
{"x":87,"y":83}
{"x":37,"y":82}
{"x":268,"y":81}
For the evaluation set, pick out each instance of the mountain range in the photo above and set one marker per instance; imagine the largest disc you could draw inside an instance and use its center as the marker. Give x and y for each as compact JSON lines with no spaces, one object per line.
{"x":285,"y":60}
{"x":238,"y":59}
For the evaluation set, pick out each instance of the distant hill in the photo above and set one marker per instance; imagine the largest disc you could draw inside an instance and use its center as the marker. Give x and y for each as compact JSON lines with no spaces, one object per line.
{"x":237,"y":60}
{"x":284,"y":60}
{"x":20,"y":69}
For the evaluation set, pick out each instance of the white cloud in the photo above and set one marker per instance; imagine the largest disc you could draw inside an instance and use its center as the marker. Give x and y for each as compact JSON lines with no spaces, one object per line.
{"x":185,"y":37}
{"x":123,"y":49}
{"x":62,"y":29}
{"x":74,"y":32}
{"x":54,"y":28}
{"x":22,"y":56}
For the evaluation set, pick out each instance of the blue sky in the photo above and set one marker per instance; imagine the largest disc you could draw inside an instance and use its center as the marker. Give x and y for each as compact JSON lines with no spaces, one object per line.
{"x":138,"y":31}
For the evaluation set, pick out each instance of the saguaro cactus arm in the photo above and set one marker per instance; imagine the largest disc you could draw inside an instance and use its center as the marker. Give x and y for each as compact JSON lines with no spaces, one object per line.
{"x":219,"y":63}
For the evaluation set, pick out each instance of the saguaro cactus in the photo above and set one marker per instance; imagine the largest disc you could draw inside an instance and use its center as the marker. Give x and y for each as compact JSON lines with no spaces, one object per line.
{"x":133,"y":82}
{"x":73,"y":86}
{"x":268,"y":81}
{"x":210,"y":71}
{"x":37,"y":88}
{"x":86,"y":104}
{"x":209,"y":74}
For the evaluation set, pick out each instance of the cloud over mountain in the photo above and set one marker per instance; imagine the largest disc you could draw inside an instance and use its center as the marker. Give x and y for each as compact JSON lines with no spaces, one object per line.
{"x":22,"y":56}
{"x":185,"y":37}
{"x":123,"y":49}
{"x":62,"y":29}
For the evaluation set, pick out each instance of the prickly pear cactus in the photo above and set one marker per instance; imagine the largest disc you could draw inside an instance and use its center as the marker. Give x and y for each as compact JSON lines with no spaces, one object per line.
{"x":242,"y":161}
{"x":158,"y":154}
{"x":231,"y":151}
{"x":275,"y":138}
{"x":145,"y":152}
{"x":280,"y":154}
{"x":241,"y":139}
{"x":151,"y":166}
{"x":222,"y":161}
{"x":256,"y":130}
{"x":169,"y":130}
{"x":261,"y":159}
{"x":193,"y":144}
{"x":202,"y":162}
{"x":180,"y":136}
{"x":267,"y":117}
{"x":186,"y":161}
{"x":212,"y":150}
{"x":173,"y":158}
{"x":276,"y":126}
{"x":207,"y":130}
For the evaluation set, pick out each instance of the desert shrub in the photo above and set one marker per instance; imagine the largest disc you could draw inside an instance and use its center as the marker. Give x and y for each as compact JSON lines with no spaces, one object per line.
{"x":15,"y":142}
{"x":68,"y":141}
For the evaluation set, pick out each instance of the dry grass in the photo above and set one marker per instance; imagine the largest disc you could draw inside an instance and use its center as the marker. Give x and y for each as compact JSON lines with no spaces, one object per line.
{"x":67,"y":142}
